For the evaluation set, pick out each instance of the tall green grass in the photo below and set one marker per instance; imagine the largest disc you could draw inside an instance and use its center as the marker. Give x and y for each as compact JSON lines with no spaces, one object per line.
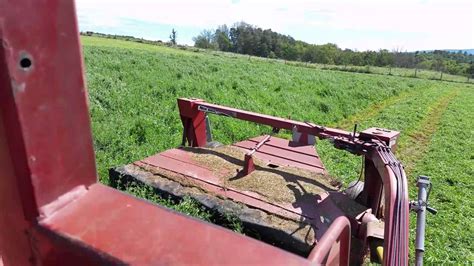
{"x":450,"y":164}
{"x":133,"y":96}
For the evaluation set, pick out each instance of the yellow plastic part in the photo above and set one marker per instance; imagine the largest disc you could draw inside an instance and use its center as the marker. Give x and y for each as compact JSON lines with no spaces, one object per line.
{"x":380,"y":252}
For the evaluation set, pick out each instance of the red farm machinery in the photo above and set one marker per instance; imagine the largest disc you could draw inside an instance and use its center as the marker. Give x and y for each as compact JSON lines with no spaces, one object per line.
{"x":54,"y":212}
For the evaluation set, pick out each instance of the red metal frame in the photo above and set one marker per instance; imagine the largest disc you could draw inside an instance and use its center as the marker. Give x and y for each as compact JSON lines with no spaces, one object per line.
{"x":179,"y":161}
{"x":383,"y":170}
{"x":54,"y":211}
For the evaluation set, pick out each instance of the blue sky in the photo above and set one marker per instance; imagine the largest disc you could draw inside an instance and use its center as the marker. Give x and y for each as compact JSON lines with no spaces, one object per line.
{"x":363,"y":24}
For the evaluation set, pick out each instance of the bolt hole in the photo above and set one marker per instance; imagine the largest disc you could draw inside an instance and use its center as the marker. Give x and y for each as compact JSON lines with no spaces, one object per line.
{"x":272,"y":165}
{"x":25,"y":63}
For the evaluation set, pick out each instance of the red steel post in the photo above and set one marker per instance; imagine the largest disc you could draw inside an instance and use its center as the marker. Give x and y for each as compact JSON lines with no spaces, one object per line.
{"x":194,"y":122}
{"x":249,"y":165}
{"x":47,"y":134}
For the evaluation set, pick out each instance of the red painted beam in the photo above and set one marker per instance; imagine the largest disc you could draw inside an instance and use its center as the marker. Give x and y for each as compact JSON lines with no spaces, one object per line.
{"x":198,"y":105}
{"x":124,"y":229}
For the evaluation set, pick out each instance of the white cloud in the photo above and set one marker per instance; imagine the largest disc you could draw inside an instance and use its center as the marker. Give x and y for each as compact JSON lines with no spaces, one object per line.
{"x":362,"y":24}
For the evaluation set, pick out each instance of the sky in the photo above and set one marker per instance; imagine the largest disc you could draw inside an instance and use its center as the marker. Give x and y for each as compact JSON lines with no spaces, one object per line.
{"x":407,"y":25}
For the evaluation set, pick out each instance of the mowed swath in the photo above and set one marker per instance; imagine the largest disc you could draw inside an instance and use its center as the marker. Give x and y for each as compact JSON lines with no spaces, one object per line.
{"x":133,"y":90}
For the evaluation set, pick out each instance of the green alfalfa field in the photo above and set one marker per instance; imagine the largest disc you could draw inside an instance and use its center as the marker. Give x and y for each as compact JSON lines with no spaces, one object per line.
{"x":133,"y":89}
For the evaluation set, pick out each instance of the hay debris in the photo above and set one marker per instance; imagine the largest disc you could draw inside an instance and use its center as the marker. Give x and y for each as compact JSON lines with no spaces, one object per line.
{"x":283,"y":184}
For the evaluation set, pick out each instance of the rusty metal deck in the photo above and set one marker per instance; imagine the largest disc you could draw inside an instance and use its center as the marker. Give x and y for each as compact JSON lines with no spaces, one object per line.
{"x":318,"y":210}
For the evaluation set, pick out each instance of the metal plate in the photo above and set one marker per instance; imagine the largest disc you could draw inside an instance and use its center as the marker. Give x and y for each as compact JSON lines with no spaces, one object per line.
{"x":318,"y":210}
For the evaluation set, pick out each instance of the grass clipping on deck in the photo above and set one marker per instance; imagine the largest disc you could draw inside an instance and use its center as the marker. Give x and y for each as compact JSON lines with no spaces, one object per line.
{"x":281,"y":184}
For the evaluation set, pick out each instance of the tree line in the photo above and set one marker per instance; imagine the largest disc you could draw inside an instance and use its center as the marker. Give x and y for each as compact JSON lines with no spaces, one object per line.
{"x":247,"y":39}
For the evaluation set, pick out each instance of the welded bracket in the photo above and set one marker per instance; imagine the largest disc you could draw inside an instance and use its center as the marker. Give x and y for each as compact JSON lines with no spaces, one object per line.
{"x":249,"y":165}
{"x":302,"y":137}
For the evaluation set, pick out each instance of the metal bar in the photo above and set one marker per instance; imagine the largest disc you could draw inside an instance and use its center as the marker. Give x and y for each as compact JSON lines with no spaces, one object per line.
{"x":259,"y":145}
{"x":276,"y":122}
{"x":208,"y":129}
{"x":289,"y":159}
{"x":340,"y":230}
{"x":419,"y":207}
{"x":297,"y":152}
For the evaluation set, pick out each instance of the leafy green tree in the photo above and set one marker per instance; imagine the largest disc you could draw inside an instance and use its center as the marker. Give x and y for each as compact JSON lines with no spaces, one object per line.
{"x":247,"y":39}
{"x":222,"y":38}
{"x":204,"y":40}
{"x":384,"y":58}
{"x":470,"y":71}
{"x":439,"y":65}
{"x":327,"y":53}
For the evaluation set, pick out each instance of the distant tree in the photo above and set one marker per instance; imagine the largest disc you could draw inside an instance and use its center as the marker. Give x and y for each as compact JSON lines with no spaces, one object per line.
{"x":344,"y":57}
{"x":204,"y":40}
{"x":289,"y":52}
{"x":173,"y":36}
{"x":356,"y":58}
{"x":234,"y":34}
{"x":470,"y":71}
{"x":310,"y":54}
{"x":383,"y":58}
{"x":439,"y":65}
{"x":417,"y":62}
{"x":327,"y":53}
{"x":247,"y":39}
{"x":222,"y":38}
